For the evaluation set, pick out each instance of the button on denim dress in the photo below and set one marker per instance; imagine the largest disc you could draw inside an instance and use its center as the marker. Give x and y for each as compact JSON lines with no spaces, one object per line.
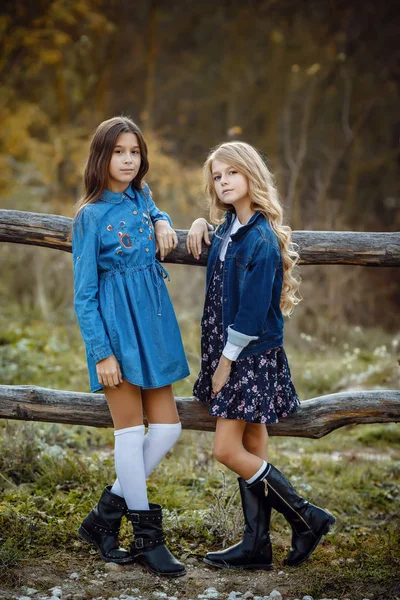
{"x":120,"y":297}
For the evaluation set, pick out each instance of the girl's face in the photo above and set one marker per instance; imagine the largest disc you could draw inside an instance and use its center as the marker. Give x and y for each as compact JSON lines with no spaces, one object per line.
{"x":230,"y":186}
{"x":125,"y":162}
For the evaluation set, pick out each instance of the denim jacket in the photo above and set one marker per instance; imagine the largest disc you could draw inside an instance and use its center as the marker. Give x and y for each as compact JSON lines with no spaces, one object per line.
{"x":252,"y":284}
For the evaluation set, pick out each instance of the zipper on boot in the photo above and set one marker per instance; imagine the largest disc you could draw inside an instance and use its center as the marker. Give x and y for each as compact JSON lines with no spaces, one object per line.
{"x":266,"y":484}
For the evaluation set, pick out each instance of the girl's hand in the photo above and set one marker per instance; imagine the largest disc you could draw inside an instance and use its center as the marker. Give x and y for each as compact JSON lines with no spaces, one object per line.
{"x":108,"y":372}
{"x":166,"y":238}
{"x":197,"y":233}
{"x":221,"y":374}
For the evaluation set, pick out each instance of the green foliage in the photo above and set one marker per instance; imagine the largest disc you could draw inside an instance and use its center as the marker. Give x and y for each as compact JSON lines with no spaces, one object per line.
{"x":52,"y":353}
{"x":40,"y":515}
{"x":327,"y":130}
{"x":345,"y":357}
{"x":10,"y":558}
{"x":36,"y":351}
{"x":388,"y":436}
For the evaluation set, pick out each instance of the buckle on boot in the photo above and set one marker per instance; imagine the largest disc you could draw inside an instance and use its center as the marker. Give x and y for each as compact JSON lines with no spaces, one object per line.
{"x":134,"y":517}
{"x":139,"y":543}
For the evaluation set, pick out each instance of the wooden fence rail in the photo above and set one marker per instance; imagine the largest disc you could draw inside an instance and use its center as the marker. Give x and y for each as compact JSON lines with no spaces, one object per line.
{"x":371,"y":249}
{"x":314,"y":418}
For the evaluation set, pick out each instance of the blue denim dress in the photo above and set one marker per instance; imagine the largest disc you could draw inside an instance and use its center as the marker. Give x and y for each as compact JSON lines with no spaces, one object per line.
{"x":120,"y":297}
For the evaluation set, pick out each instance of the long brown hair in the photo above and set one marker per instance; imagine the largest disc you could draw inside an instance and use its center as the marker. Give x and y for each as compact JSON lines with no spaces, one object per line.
{"x":101,"y":148}
{"x":264,"y":198}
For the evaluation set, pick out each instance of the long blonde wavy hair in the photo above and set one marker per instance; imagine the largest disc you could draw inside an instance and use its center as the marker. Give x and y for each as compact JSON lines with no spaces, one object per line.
{"x":264,"y":198}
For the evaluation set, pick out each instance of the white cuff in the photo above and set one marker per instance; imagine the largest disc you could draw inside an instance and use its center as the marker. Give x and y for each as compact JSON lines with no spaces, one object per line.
{"x":231,"y":351}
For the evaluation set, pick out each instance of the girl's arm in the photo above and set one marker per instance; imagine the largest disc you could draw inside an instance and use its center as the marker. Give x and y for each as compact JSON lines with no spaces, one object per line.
{"x":249,"y":321}
{"x":231,"y":351}
{"x":85,"y":253}
{"x":250,"y":318}
{"x":197,"y":233}
{"x":166,"y":238}
{"x":155,"y":213}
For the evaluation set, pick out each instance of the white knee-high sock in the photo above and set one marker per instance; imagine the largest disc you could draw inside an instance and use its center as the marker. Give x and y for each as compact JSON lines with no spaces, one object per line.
{"x":129,"y":465}
{"x":157,"y":442}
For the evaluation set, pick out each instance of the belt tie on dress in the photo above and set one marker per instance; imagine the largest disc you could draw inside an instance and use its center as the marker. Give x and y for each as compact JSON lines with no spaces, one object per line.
{"x":159,"y":273}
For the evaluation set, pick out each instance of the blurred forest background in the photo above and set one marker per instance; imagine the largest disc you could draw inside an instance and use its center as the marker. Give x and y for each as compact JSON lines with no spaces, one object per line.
{"x":314,"y":85}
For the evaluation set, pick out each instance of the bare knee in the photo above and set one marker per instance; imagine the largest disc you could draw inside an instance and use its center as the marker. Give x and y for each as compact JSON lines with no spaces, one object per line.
{"x":223,"y":454}
{"x":228,"y":444}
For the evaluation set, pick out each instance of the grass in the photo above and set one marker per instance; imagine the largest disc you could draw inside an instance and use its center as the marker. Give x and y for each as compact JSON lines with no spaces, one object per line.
{"x":42,"y":507}
{"x":51,"y":475}
{"x":51,"y":354}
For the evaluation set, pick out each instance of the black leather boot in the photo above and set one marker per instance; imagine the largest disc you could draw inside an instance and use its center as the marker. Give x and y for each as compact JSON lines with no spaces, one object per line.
{"x":254,"y":551}
{"x":308,"y":522}
{"x":148,"y":548}
{"x":101,"y":527}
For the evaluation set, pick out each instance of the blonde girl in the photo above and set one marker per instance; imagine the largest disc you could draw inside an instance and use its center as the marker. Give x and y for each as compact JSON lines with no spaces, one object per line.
{"x":245,"y":377}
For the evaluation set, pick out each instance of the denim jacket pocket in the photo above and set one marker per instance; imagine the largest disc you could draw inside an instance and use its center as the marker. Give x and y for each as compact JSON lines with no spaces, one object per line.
{"x":242,"y":263}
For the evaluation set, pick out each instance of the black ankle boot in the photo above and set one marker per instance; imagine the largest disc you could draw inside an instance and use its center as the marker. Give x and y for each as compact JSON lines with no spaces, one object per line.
{"x":254,"y":551}
{"x":148,"y":547}
{"x":308,"y":522}
{"x":101,"y":527}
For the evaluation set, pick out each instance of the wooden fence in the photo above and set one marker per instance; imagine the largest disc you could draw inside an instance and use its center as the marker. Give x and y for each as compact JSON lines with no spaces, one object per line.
{"x":314,"y":418}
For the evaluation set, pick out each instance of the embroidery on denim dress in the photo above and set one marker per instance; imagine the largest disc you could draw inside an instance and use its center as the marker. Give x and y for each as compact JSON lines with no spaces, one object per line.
{"x":119,"y":250}
{"x":146,"y":220}
{"x":125,"y":239}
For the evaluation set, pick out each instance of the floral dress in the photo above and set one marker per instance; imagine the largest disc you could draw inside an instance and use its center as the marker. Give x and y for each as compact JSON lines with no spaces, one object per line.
{"x":259,"y":388}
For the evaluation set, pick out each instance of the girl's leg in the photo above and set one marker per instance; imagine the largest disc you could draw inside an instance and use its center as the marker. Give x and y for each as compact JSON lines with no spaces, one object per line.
{"x":308,"y":522}
{"x":164,"y":425}
{"x":101,"y":526}
{"x":164,"y":429}
{"x":242,"y":447}
{"x":230,"y":451}
{"x":159,"y":405}
{"x":255,"y":440}
{"x":125,"y":404}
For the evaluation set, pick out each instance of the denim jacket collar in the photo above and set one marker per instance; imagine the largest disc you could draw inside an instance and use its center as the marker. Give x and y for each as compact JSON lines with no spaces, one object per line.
{"x":241,"y":232}
{"x":117,"y":197}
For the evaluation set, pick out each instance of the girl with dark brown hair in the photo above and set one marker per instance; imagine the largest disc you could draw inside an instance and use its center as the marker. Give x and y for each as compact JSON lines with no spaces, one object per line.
{"x":133,"y":344}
